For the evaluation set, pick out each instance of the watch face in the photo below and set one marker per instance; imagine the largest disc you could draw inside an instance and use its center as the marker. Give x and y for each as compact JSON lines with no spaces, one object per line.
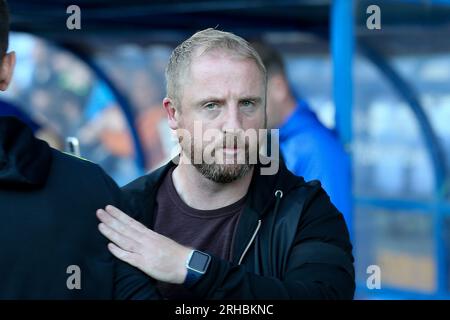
{"x":199,"y":261}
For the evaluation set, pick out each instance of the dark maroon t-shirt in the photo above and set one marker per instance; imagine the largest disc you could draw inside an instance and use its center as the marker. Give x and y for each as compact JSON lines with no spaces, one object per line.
{"x":211,"y":231}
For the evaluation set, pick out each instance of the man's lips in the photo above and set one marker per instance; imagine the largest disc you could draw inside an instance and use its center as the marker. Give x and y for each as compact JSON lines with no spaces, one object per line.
{"x":231,"y":150}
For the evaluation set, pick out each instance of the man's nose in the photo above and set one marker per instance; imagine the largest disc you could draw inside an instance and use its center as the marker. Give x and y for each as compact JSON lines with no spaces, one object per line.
{"x":233,"y":120}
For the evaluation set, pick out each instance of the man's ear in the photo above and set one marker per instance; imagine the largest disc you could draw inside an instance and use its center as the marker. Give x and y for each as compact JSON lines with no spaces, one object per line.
{"x":172,"y":112}
{"x":6,"y":70}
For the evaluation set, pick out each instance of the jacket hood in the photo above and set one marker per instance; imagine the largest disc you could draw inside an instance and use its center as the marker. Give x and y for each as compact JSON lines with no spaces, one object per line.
{"x":24,"y":160}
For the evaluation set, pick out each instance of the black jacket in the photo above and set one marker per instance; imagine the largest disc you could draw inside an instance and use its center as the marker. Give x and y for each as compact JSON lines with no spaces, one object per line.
{"x":48,"y":202}
{"x":291,"y":242}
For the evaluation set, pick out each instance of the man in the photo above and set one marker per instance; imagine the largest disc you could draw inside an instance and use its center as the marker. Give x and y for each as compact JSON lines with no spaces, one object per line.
{"x":50,"y":247}
{"x":310,"y":150}
{"x":255,"y":236}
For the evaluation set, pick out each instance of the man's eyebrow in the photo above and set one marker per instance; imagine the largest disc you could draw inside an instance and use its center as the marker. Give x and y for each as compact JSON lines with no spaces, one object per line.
{"x":210,"y":99}
{"x":256,"y":99}
{"x":251,"y":98}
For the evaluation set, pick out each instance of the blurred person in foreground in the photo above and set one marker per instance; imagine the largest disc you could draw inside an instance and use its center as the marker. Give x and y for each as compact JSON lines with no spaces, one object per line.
{"x":310,"y":150}
{"x":49,"y":244}
{"x":225,"y":229}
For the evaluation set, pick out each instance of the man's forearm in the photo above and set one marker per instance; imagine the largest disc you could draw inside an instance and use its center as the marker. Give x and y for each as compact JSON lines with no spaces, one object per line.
{"x":132,"y":284}
{"x":225,"y":281}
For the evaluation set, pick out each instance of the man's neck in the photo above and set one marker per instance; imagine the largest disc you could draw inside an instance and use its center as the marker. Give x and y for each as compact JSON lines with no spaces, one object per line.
{"x":201,"y":193}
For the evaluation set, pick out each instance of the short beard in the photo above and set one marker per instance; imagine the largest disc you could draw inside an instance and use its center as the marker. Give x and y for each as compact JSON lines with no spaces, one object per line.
{"x":223,"y":173}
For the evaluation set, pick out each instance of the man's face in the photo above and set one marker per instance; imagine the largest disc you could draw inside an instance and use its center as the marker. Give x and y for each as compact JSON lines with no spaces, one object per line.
{"x":277,"y":90}
{"x":223,"y":94}
{"x":273,"y":118}
{"x":7,"y":63}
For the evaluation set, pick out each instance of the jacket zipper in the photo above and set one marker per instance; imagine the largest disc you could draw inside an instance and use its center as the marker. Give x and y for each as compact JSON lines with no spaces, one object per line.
{"x":250,"y":242}
{"x":278,"y":195}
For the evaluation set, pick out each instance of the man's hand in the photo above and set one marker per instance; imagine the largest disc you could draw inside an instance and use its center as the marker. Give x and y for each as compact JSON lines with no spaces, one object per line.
{"x":160,"y":257}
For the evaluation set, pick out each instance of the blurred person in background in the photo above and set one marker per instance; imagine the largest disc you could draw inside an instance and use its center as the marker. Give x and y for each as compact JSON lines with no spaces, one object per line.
{"x":105,"y":135}
{"x":40,"y":131}
{"x":49,"y":244}
{"x":309,"y":149}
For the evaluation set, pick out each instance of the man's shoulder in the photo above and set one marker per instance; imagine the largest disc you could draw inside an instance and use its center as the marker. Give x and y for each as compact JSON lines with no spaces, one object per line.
{"x":305,"y":191}
{"x":81,"y":172}
{"x":292,"y":185}
{"x":69,"y":160}
{"x":138,"y":185}
{"x":146,"y":183}
{"x":139,"y":195}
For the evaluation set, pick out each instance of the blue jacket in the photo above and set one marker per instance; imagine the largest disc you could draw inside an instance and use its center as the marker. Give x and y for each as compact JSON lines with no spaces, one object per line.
{"x":313,"y":151}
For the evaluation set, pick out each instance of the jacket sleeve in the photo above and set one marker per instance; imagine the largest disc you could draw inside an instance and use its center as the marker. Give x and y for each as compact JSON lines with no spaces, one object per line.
{"x":320,"y":265}
{"x":129,"y":282}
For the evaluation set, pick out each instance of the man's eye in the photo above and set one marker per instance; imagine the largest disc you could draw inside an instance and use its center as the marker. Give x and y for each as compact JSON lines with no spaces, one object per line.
{"x":211,"y":106}
{"x":247,"y":103}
